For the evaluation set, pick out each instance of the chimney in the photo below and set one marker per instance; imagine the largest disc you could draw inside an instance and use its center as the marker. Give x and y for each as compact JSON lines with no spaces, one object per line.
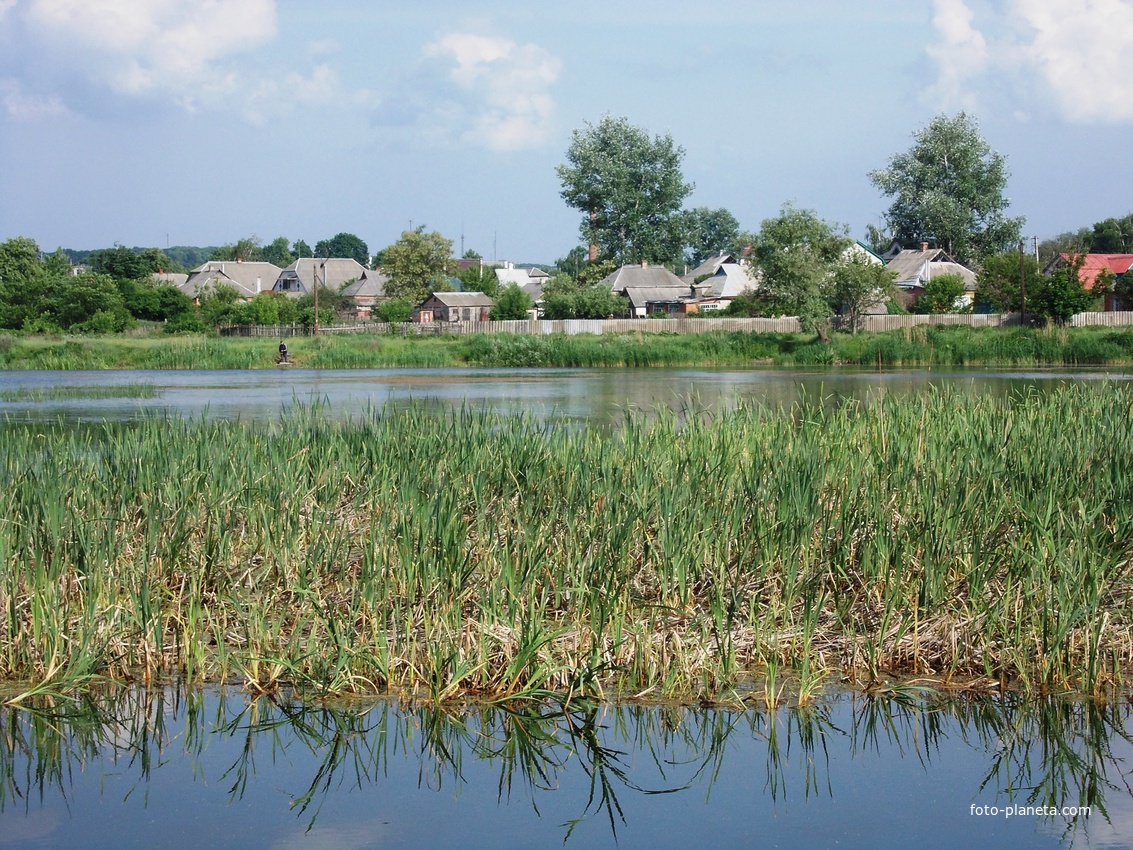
{"x":645,"y":264}
{"x":257,"y":285}
{"x":924,"y":246}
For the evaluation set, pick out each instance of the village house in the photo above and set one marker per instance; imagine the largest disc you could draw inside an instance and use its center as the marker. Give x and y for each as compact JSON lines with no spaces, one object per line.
{"x":248,"y":279}
{"x":331,"y":273}
{"x":366,"y":291}
{"x":1092,"y":266}
{"x":914,"y":268}
{"x":651,"y":289}
{"x":454,"y":307}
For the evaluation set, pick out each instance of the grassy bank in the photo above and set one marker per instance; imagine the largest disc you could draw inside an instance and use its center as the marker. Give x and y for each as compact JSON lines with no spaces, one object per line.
{"x":921,"y":346}
{"x":980,"y":538}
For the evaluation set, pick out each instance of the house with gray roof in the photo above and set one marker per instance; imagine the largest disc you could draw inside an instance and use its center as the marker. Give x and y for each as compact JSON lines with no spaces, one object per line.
{"x":454,"y":307}
{"x":248,"y":279}
{"x":369,"y":289}
{"x":719,"y":280}
{"x":914,"y":268}
{"x":651,"y":289}
{"x":331,"y":273}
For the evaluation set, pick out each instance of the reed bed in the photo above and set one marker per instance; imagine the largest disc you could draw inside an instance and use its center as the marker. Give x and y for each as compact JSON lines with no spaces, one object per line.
{"x":925,"y":345}
{"x":65,"y":393}
{"x":974,"y":540}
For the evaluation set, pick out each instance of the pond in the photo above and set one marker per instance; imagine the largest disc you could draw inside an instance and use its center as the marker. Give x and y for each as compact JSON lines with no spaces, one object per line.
{"x":210,"y":768}
{"x":591,"y":395}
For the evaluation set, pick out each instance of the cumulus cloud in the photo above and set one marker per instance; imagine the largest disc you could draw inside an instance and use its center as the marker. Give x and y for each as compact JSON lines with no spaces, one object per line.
{"x":1076,"y":51}
{"x":142,"y":47}
{"x":499,"y":93}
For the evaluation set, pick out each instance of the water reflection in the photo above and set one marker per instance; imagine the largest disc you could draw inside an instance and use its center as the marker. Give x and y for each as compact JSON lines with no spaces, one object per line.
{"x":598,"y":396}
{"x":135,"y":766}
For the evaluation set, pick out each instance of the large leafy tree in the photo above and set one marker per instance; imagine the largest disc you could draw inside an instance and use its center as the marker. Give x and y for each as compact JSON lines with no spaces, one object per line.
{"x":343,"y":245}
{"x":948,"y":189}
{"x":999,"y":285}
{"x":796,"y":255}
{"x":857,"y":285}
{"x":708,"y":231}
{"x":417,"y":264}
{"x":24,"y":281}
{"x":629,"y":188}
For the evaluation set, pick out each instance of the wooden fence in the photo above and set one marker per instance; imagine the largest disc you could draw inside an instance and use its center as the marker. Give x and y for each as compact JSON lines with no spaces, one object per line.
{"x":673,"y":325}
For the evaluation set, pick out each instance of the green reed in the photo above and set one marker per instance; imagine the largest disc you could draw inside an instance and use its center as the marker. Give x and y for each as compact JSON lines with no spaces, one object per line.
{"x":970,"y":539}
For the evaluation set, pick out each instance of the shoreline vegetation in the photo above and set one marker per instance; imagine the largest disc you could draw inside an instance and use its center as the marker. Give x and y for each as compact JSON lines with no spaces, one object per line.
{"x":970,"y":542}
{"x":918,"y":346}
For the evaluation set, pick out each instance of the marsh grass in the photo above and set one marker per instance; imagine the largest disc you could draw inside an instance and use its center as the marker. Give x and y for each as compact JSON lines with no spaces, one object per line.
{"x":63,"y":393}
{"x":971,"y":540}
{"x":925,"y":345}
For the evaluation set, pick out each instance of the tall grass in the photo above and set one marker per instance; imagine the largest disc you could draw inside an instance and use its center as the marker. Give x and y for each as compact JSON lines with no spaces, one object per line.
{"x":972,"y":539}
{"x":924,"y":345}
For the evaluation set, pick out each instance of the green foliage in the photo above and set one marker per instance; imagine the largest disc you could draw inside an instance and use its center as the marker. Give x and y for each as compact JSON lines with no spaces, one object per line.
{"x":344,"y":245}
{"x":1000,"y":279}
{"x":512,"y":303}
{"x":565,"y":299}
{"x":394,"y":311}
{"x":629,"y":189}
{"x":416,"y":264}
{"x":471,"y":255}
{"x":123,"y":263}
{"x":244,"y":250}
{"x":301,"y":249}
{"x":1063,"y":294}
{"x":573,"y":263}
{"x":479,"y":278}
{"x":277,"y":252}
{"x":796,"y":254}
{"x":218,"y":305}
{"x":1113,"y":236}
{"x":73,"y":301}
{"x":24,"y":281}
{"x":708,"y":231}
{"x":948,"y":190}
{"x":858,"y":284}
{"x":145,"y":299}
{"x":942,"y":294}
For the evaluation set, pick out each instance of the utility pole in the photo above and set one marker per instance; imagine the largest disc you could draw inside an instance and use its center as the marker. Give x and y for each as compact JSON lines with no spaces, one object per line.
{"x":1022,"y":286}
{"x":324,"y":268}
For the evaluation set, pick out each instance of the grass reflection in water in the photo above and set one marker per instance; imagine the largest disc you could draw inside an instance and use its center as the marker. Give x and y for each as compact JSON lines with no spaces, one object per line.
{"x":1046,"y":752}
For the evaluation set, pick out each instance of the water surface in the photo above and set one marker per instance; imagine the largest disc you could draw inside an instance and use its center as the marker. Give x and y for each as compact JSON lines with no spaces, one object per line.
{"x":217,"y":769}
{"x":590,"y":395}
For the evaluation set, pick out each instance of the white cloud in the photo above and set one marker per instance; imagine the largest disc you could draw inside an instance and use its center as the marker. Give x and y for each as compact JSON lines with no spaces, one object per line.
{"x":504,"y":98}
{"x":1071,"y":54}
{"x":963,"y":50}
{"x":182,"y":50}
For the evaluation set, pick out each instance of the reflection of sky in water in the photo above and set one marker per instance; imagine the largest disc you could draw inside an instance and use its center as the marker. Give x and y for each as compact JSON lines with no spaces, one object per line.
{"x":849,"y":772}
{"x":596,"y":395}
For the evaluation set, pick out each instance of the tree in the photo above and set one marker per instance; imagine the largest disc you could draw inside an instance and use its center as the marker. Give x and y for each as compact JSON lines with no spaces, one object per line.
{"x":942,"y":294}
{"x":278,"y":253}
{"x":343,"y":245}
{"x":1113,"y":236}
{"x":1063,"y":294}
{"x":471,"y":255}
{"x":563,"y":298}
{"x":573,"y":263}
{"x":858,"y":284}
{"x":76,"y":300}
{"x":24,"y":281}
{"x":245,"y":251}
{"x":999,"y":286}
{"x":513,"y":303}
{"x":301,"y":249}
{"x":479,"y":278}
{"x":416,"y":264}
{"x":123,"y":263}
{"x":394,"y":311}
{"x":707,"y":232}
{"x":629,"y":188}
{"x":796,"y":254}
{"x":948,"y":190}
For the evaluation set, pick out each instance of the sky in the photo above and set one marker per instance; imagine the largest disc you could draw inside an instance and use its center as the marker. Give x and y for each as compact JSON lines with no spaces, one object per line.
{"x":201,"y":122}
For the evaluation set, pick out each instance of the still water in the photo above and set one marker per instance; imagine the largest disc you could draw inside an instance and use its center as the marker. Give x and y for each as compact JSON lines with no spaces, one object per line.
{"x":590,"y":395}
{"x":165,"y":768}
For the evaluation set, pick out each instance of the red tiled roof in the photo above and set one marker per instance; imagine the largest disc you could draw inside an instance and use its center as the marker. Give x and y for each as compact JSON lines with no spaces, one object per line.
{"x":1094,"y":264}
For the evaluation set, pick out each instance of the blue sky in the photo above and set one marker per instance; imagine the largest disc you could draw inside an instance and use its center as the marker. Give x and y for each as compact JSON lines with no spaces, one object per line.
{"x":196,"y":122}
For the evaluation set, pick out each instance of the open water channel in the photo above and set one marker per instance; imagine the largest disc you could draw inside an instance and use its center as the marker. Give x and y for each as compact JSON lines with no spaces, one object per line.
{"x":216,"y":768}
